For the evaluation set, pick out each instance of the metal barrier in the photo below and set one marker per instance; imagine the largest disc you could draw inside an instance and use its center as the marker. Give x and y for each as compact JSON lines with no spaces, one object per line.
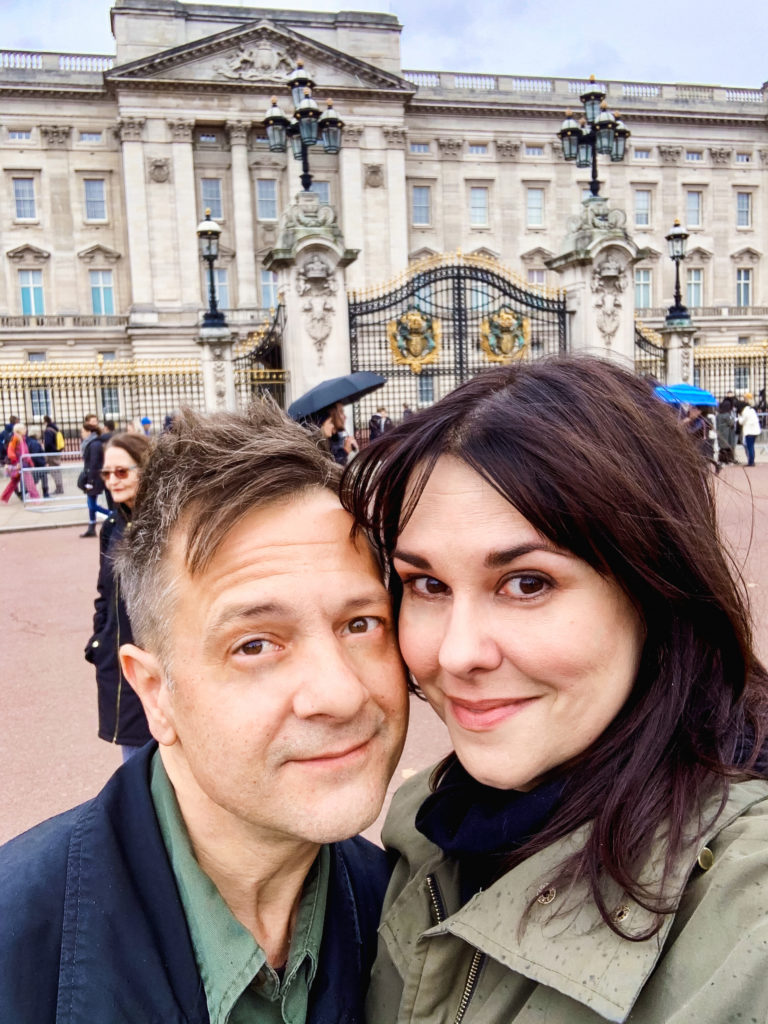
{"x":52,"y":487}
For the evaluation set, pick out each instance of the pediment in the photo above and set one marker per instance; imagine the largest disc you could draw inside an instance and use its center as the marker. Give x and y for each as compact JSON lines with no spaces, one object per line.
{"x":99,"y":254}
{"x":425,"y":253}
{"x":485,"y":253}
{"x":698,"y":255}
{"x":537,"y":255}
{"x":257,"y":55}
{"x":28,"y":254}
{"x":648,"y":253}
{"x":746,"y":255}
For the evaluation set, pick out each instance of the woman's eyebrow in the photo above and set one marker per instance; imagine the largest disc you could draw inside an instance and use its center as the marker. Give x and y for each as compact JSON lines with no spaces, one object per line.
{"x":496,"y":559}
{"x":415,"y":560}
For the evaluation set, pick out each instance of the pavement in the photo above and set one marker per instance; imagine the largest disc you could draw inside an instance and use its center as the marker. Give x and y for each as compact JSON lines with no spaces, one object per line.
{"x":50,"y":755}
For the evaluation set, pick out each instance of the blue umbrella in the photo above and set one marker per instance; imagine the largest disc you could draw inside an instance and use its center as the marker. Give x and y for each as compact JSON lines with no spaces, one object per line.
{"x":679,"y":394}
{"x":348,"y":388}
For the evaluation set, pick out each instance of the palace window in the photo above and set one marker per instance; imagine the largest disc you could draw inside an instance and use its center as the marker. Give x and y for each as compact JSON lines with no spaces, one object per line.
{"x":419,"y":147}
{"x":31,"y":288}
{"x":24,"y":198}
{"x":534,"y":150}
{"x":643,"y":288}
{"x":694,"y":288}
{"x":537,"y":275}
{"x":95,"y":199}
{"x":743,"y":209}
{"x":19,"y":134}
{"x":90,"y":136}
{"x":266,"y":198}
{"x":642,"y":208}
{"x":534,"y":207}
{"x":478,"y":207}
{"x":426,"y":389}
{"x":210,"y":191}
{"x":269,"y":289}
{"x":110,"y":401}
{"x":102,"y":292}
{"x":694,"y":156}
{"x":741,"y":376}
{"x":421,"y":205}
{"x":642,"y":154}
{"x":221,"y":287}
{"x":743,"y":287}
{"x":693,"y":208}
{"x":478,"y":149}
{"x":322,"y":189}
{"x":743,"y":158}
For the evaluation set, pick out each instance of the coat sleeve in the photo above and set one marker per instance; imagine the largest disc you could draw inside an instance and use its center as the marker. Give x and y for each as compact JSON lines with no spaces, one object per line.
{"x":104,"y":586}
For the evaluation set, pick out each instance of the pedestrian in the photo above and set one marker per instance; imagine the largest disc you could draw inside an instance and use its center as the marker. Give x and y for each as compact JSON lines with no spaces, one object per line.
{"x":343,"y":446}
{"x":37,"y":454}
{"x":750,"y":428}
{"x":596,"y":845}
{"x":90,"y":480}
{"x":54,"y":445}
{"x":18,"y":467}
{"x":146,"y":425}
{"x":213,"y":878}
{"x":379,"y":423}
{"x":407,"y":411}
{"x":6,"y":436}
{"x":726,"y":431}
{"x":121,"y":716}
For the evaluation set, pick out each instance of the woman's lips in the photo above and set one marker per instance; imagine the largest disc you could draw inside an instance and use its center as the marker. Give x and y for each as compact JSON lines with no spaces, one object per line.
{"x":481,"y":715}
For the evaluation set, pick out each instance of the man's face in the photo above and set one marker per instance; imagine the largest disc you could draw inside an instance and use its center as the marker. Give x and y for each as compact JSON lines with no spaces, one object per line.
{"x":288,"y":702}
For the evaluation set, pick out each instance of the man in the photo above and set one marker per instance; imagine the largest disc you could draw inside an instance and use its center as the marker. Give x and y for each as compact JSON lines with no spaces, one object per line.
{"x":92,"y":451}
{"x":379,"y":423}
{"x":52,"y":450}
{"x":6,"y":435}
{"x":208,"y":880}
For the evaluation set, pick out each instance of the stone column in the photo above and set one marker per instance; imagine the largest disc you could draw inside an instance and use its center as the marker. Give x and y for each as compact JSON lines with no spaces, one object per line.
{"x":595,"y":265}
{"x":130,"y":130}
{"x":310,"y":260}
{"x":398,"y":199}
{"x":351,"y":193}
{"x":185,"y":200}
{"x":452,"y":199}
{"x":678,"y":341}
{"x":243,"y":214}
{"x":216,"y":344}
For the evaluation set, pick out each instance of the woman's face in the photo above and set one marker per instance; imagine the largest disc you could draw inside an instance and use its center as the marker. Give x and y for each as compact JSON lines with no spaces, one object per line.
{"x":524,"y":651}
{"x":122,"y":488}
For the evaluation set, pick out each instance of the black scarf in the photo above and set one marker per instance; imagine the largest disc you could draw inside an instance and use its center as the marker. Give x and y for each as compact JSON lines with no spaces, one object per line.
{"x":480,"y":826}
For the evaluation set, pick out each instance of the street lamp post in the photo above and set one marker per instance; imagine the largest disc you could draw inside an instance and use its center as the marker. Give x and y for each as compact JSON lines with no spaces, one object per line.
{"x":597,"y":131}
{"x":677,"y":240}
{"x":208,"y":232}
{"x":306,"y":128}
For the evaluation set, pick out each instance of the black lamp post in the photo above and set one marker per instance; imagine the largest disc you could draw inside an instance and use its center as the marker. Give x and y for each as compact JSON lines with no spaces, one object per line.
{"x":598,"y":131}
{"x":306,"y":128}
{"x":677,"y":240}
{"x":208,"y":232}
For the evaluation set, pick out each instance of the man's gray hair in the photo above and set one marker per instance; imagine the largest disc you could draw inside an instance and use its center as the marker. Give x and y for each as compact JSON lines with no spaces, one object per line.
{"x":203,"y":477}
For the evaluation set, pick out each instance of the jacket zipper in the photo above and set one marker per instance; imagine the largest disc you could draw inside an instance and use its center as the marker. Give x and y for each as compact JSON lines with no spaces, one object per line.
{"x":438,"y":912}
{"x":119,"y":666}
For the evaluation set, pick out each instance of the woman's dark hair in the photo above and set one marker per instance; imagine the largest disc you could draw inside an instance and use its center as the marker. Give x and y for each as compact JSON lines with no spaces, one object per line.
{"x":138,"y":446}
{"x":600,"y":466}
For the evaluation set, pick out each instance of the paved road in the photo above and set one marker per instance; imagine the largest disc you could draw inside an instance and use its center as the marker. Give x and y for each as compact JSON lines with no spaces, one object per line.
{"x":50,"y":756}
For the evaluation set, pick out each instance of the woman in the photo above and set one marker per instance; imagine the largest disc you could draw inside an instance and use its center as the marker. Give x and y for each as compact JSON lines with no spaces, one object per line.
{"x":19,"y":464}
{"x":596,"y":847}
{"x":750,"y":428}
{"x":121,"y":715}
{"x":92,"y":450}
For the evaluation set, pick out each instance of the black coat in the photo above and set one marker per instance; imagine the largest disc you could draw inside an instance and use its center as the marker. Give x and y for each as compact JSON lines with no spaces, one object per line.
{"x":93,"y":460}
{"x":92,"y":930}
{"x":121,"y":716}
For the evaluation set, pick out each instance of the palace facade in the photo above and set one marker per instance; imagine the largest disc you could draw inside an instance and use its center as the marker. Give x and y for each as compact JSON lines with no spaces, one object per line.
{"x":109,"y":162}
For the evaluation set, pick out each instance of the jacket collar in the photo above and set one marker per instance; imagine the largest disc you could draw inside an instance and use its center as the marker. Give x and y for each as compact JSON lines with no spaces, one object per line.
{"x":564,"y":943}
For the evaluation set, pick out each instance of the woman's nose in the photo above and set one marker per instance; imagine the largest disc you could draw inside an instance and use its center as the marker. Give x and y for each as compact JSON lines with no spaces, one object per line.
{"x":468,"y":644}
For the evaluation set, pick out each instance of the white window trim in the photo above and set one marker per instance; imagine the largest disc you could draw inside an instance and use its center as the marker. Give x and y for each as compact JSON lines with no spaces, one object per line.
{"x":431,"y":212}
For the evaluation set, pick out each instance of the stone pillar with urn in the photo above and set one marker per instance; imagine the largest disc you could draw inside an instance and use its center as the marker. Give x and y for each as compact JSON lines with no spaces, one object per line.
{"x":310,"y":259}
{"x":595,"y":265}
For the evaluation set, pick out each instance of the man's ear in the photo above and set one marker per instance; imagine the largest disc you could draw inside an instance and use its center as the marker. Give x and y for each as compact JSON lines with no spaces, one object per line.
{"x":145,"y":674}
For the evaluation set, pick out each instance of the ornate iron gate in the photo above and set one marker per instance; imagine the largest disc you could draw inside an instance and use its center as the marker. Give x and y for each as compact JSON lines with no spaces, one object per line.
{"x":258,"y":363}
{"x":445,"y":320}
{"x":650,"y":354}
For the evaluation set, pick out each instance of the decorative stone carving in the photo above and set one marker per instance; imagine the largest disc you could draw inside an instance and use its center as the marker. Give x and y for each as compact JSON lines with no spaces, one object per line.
{"x":56,"y":136}
{"x":395,"y":138}
{"x":28,"y":254}
{"x":181,"y":131}
{"x":596,"y":217}
{"x":686,"y":356}
{"x":557,"y":148}
{"x":698,"y":255}
{"x":507,"y":149}
{"x":316,"y":285}
{"x":721,"y":155}
{"x":746,"y":255}
{"x":257,"y":63}
{"x":609,"y":280}
{"x":159,"y":169}
{"x":98,"y":254}
{"x":670,"y":154}
{"x":130,"y":129}
{"x":238,"y":132}
{"x":374,"y":176}
{"x":763,"y":156}
{"x":450,"y":149}
{"x":306,"y":216}
{"x":219,"y":376}
{"x":353,"y":133}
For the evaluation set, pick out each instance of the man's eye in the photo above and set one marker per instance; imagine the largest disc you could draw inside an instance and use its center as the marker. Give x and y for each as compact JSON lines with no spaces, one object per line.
{"x":258,"y":646}
{"x":428,"y":585}
{"x":362,"y":624}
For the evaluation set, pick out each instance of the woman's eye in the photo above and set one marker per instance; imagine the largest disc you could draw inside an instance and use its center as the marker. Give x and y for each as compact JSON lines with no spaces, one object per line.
{"x":526,"y":586}
{"x":427,"y":585}
{"x":362,"y":624}
{"x":258,"y":646}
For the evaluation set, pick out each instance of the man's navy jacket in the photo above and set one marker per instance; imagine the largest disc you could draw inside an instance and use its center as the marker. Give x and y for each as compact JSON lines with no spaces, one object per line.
{"x":92,"y":930}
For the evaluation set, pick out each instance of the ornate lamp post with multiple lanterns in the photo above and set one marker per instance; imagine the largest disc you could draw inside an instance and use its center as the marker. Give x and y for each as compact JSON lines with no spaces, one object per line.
{"x":597,"y":131}
{"x":307,"y":127}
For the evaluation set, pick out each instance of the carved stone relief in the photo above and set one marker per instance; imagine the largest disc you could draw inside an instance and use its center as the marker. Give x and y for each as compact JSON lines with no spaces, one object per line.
{"x":609,"y":280}
{"x":670,"y":154}
{"x":720,"y":154}
{"x":56,"y":136}
{"x":130,"y":129}
{"x":374,"y":176}
{"x":181,"y":131}
{"x":219,"y":376}
{"x":450,"y":149}
{"x":237,"y":131}
{"x":395,"y":138}
{"x":316,"y":286}
{"x":353,"y":133}
{"x":686,"y":357}
{"x":159,"y":169}
{"x":507,"y":149}
{"x":255,"y":63}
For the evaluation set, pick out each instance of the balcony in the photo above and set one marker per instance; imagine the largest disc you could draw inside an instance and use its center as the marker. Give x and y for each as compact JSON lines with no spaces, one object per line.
{"x":59,"y":320}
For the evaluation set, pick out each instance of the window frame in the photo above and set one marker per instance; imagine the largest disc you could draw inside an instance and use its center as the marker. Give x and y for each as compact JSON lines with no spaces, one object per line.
{"x":748,"y":195}
{"x":691,"y":283}
{"x":482,"y":210}
{"x":216,"y":206}
{"x":86,"y":214}
{"x":105,"y":289}
{"x":35,"y":290}
{"x":24,"y":199}
{"x":694,"y":192}
{"x":638,"y":212}
{"x":268,"y":289}
{"x":645,"y":286}
{"x":541,"y":222}
{"x":744,"y":286}
{"x":267,"y":207}
{"x":427,"y":190}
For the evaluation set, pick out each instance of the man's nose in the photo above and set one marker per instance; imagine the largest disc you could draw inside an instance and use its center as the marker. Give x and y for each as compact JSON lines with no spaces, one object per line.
{"x":330,"y":685}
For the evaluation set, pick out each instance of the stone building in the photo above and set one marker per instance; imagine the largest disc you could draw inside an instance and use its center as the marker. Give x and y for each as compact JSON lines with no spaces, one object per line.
{"x":108,"y":163}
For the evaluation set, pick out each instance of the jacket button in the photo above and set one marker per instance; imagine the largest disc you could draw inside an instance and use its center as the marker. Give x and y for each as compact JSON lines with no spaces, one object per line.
{"x":706,"y":859}
{"x":546,"y":895}
{"x":95,"y":643}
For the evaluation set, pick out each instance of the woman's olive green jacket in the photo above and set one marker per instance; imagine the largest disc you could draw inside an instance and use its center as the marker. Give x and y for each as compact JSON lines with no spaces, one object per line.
{"x":485,"y":963}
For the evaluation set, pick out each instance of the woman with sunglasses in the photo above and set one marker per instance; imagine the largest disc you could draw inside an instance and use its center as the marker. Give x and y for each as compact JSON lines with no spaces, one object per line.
{"x":121,"y":716}
{"x":595,"y":847}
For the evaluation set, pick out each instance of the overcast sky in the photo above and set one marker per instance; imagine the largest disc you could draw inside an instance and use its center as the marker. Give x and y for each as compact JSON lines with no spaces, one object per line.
{"x":702,"y":41}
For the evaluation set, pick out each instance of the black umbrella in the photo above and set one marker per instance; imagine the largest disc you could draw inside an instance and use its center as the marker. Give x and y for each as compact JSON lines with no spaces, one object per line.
{"x":348,"y":388}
